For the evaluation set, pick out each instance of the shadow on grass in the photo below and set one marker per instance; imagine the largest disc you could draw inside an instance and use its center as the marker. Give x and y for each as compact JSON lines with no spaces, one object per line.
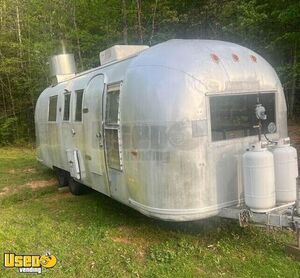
{"x":122,"y":214}
{"x":97,"y":211}
{"x":112,"y":213}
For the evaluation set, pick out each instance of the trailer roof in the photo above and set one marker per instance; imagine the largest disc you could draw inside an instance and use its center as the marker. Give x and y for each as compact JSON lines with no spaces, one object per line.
{"x":220,"y":66}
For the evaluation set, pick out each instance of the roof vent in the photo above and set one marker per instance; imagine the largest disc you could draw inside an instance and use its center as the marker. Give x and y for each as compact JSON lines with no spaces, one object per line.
{"x":62,"y":67}
{"x":119,"y":52}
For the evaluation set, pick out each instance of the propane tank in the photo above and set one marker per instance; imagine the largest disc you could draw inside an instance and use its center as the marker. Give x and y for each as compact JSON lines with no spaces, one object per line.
{"x":259,"y":178}
{"x":286,"y":171}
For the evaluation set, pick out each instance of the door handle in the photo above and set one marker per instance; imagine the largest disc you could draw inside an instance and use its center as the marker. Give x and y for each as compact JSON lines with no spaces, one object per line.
{"x":99,"y":137}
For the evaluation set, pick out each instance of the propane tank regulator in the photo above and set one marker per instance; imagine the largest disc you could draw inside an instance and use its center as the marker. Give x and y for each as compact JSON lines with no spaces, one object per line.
{"x":260,"y":112}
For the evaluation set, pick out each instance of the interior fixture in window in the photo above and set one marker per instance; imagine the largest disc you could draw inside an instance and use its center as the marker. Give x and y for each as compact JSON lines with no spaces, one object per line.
{"x":233,"y":116}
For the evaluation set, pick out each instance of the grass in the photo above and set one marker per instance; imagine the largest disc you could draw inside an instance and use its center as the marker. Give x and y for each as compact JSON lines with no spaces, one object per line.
{"x":94,"y":236}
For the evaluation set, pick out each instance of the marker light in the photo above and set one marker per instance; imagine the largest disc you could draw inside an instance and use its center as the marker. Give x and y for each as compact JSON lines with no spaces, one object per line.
{"x":235,"y":57}
{"x":215,"y":57}
{"x":253,"y":58}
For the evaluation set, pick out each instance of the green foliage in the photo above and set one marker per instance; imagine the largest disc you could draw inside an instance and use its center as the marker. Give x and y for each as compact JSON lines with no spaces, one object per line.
{"x":95,"y":236}
{"x":31,"y":31}
{"x":8,"y":130}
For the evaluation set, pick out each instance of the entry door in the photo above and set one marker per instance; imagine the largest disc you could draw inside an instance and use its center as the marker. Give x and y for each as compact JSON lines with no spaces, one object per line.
{"x":92,"y":123}
{"x":76,"y":154}
{"x":93,"y":135}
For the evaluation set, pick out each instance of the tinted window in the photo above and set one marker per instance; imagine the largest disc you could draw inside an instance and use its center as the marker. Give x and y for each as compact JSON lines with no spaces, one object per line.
{"x":78,"y":110}
{"x":234,"y":116}
{"x":67,"y":107}
{"x":112,"y":107}
{"x":52,"y":109}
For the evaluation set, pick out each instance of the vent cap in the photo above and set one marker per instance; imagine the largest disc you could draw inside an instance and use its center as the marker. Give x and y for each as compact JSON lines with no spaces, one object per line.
{"x":62,"y":67}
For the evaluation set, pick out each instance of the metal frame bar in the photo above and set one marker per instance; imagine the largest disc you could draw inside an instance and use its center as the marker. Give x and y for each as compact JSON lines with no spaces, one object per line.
{"x":273,"y":218}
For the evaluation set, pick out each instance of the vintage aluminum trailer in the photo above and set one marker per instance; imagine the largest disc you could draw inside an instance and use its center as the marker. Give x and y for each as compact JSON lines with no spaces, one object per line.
{"x":161,"y":129}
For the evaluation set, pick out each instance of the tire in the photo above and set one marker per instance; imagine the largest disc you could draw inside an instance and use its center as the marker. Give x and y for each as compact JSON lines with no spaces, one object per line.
{"x":76,"y":188}
{"x":62,"y":178}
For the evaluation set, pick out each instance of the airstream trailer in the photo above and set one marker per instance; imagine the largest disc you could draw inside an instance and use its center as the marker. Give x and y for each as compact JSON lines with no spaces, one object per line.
{"x":161,"y":129}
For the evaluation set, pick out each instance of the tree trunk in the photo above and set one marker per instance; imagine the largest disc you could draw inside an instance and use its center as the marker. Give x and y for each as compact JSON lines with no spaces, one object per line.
{"x":3,"y":12}
{"x":3,"y":98}
{"x":140,"y":28}
{"x":19,"y":35}
{"x":1,"y":18}
{"x":12,"y":104}
{"x":125,"y":26}
{"x":29,"y":68}
{"x":77,"y":38}
{"x":18,"y":25}
{"x":294,"y":80}
{"x":11,"y":96}
{"x":153,"y":22}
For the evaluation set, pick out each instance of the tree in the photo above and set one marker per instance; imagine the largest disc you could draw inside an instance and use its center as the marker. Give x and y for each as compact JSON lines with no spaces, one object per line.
{"x":31,"y":31}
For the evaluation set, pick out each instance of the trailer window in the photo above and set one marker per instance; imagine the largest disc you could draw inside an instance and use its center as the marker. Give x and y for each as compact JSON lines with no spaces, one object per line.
{"x":112,"y":146}
{"x":52,"y":109}
{"x":112,"y":127}
{"x":78,"y":110}
{"x":67,"y":107}
{"x":112,"y":107}
{"x":234,"y":116}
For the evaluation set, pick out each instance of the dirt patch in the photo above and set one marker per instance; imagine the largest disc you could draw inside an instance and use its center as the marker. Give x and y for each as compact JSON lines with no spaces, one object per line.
{"x":200,"y":270}
{"x":28,"y":170}
{"x":121,"y":239}
{"x":128,"y":235}
{"x":58,"y":196}
{"x":40,"y":183}
{"x":134,"y":236}
{"x":32,"y":185}
{"x":6,"y":190}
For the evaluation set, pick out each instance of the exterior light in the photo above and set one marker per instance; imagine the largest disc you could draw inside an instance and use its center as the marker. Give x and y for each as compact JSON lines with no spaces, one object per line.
{"x":235,"y":57}
{"x":215,"y":57}
{"x":253,"y":58}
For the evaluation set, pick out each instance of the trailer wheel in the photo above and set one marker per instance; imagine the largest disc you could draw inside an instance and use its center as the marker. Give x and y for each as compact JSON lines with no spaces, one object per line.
{"x":76,"y":188}
{"x":62,"y":178}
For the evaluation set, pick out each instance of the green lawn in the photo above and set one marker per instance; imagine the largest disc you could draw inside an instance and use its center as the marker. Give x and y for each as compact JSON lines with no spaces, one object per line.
{"x":94,"y":236}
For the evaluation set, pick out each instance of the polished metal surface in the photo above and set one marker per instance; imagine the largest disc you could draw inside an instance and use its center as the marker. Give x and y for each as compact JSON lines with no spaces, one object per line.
{"x":171,"y":168}
{"x":119,"y":52}
{"x":278,"y":217}
{"x":62,"y":67}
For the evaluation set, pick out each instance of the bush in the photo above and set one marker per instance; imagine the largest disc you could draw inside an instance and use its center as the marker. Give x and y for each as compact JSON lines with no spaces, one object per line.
{"x":8,"y":131}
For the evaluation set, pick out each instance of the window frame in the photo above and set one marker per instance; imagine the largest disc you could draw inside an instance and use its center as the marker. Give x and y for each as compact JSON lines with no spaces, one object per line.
{"x":70,"y":105}
{"x":75,"y":110}
{"x":113,"y":126}
{"x":244,"y":138}
{"x":49,"y":102}
{"x":117,"y":122}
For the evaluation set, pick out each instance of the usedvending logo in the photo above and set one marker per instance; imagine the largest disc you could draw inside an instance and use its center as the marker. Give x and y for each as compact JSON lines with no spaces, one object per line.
{"x":29,"y":263}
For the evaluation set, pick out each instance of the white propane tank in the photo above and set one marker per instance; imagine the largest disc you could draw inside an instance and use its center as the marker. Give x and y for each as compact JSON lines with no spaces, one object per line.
{"x":259,"y":178}
{"x":286,"y":171}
